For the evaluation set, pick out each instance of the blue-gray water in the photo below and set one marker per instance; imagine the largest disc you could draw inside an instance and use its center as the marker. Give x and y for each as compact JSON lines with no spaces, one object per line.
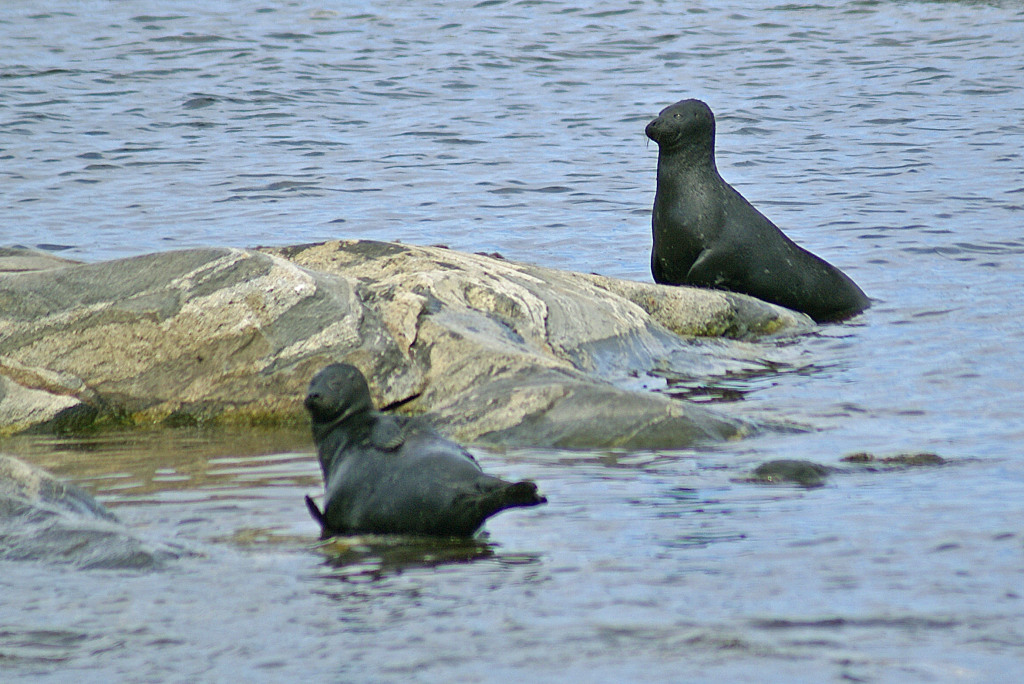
{"x":885,"y":136}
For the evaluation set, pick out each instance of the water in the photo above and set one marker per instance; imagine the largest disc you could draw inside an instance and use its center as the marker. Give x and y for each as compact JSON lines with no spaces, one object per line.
{"x":884,"y":136}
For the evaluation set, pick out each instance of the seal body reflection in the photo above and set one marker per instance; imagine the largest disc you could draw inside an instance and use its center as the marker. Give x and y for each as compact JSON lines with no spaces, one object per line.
{"x":707,"y":234}
{"x":386,"y":474}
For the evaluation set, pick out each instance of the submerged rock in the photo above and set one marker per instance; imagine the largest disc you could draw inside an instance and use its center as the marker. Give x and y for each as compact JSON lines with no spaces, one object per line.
{"x":48,"y":520}
{"x":789,"y":471}
{"x":810,"y":474}
{"x":899,"y":461}
{"x":489,"y":349}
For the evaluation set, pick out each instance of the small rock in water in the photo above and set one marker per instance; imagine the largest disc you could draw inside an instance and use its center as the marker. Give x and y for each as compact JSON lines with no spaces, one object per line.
{"x":908,"y":460}
{"x":789,"y":471}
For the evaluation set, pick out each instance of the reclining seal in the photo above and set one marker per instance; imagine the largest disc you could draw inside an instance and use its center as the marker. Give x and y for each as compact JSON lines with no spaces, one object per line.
{"x":388,"y":474}
{"x":706,"y":234}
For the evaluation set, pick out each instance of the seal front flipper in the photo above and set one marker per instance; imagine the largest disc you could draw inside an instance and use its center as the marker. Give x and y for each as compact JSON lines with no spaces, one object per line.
{"x":387,"y":434}
{"x":711,"y":269}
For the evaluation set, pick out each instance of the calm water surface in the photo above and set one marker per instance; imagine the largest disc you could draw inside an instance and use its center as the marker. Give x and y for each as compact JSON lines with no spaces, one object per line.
{"x":884,"y":136}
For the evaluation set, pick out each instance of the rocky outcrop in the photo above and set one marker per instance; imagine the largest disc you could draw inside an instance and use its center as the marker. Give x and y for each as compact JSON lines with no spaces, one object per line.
{"x":490,"y":350}
{"x":44,"y":519}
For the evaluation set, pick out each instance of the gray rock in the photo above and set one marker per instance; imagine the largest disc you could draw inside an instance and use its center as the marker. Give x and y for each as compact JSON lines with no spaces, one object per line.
{"x":490,"y":349}
{"x":47,"y":520}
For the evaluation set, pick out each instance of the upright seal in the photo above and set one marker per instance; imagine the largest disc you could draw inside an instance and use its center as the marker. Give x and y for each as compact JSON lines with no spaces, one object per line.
{"x":386,"y":474}
{"x":706,"y":234}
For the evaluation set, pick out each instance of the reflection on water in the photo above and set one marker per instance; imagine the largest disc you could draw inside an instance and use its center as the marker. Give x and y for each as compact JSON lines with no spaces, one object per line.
{"x":367,"y":558}
{"x":131,"y":466}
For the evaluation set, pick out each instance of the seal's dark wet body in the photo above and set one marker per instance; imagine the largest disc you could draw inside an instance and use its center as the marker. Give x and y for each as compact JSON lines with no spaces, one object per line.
{"x":708,"y":235}
{"x":385,"y":474}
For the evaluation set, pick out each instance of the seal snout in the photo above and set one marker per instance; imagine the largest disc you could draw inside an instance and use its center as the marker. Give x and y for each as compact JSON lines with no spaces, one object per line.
{"x":663,"y":130}
{"x":320,"y":407}
{"x":652,"y":130}
{"x":312,"y":401}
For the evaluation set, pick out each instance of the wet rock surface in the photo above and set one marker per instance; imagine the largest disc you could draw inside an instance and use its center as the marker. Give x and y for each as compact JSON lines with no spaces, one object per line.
{"x":45,"y":519}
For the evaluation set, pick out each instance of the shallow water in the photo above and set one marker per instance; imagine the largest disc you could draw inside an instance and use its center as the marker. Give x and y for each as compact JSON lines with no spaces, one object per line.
{"x":884,"y":136}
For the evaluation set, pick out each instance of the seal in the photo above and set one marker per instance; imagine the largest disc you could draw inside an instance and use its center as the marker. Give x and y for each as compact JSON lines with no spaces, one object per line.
{"x":388,"y":474}
{"x":707,"y":234}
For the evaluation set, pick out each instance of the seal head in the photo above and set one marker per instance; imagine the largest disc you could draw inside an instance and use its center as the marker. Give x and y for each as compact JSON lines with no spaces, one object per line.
{"x":337,"y":393}
{"x":340,"y":408}
{"x":688,"y":124}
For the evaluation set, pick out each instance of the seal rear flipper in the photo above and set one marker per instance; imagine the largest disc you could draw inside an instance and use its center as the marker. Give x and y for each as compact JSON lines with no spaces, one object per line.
{"x":510,"y":496}
{"x":317,"y":515}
